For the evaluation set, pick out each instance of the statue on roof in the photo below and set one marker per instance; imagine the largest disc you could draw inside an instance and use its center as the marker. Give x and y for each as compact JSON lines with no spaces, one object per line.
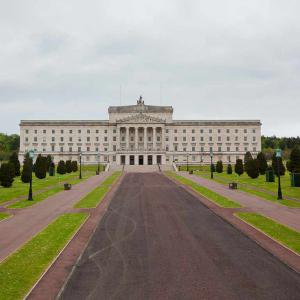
{"x":140,"y":101}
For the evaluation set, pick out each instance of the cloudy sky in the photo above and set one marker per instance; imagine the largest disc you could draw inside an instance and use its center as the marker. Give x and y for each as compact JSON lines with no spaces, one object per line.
{"x":212,"y":59}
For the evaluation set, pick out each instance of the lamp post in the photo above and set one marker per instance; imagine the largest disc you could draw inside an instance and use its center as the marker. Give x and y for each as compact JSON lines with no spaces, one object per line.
{"x":80,"y":157}
{"x":211,"y":163}
{"x":278,"y":156}
{"x":98,"y":160}
{"x":31,"y":156}
{"x":187,"y":162}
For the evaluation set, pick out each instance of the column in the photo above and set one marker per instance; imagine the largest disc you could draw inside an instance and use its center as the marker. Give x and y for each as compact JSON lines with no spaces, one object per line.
{"x":145,"y":138}
{"x":127,"y":138}
{"x":136,"y":145}
{"x":154,"y":138}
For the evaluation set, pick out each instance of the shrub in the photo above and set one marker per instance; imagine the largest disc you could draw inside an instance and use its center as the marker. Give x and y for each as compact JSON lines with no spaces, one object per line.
{"x":288,"y":166}
{"x":40,"y":169}
{"x":52,"y":169}
{"x":219,"y":166}
{"x":49,"y":161}
{"x":239,"y":167}
{"x":262,"y":163}
{"x":248,"y":157}
{"x":68,"y":166}
{"x":74,"y":166}
{"x":212,"y":168}
{"x":295,"y":160}
{"x":253,"y":168}
{"x":61,"y":167}
{"x":15,"y":161}
{"x":27,"y":169}
{"x":275,"y":161}
{"x":7,"y":172}
{"x":229,"y":169}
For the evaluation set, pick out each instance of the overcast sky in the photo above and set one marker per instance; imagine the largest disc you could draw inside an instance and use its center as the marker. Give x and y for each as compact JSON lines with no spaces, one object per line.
{"x":226,"y":59}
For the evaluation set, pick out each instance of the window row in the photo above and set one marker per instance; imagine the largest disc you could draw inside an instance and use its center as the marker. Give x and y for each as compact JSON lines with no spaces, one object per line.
{"x":209,"y":149}
{"x":211,"y":130}
{"x":70,"y":131}
{"x":210,"y":138}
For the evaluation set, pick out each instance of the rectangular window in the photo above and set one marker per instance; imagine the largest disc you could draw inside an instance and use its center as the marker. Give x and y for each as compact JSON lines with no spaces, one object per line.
{"x":70,"y":139}
{"x":237,"y":149}
{"x":210,"y":130}
{"x":175,"y":130}
{"x":236,"y":138}
{"x":97,"y":131}
{"x":97,"y":138}
{"x":26,"y":139}
{"x":79,"y":149}
{"x":175,"y":138}
{"x":193,"y":149}
{"x":53,"y":131}
{"x":201,"y":131}
{"x":193,"y":130}
{"x":35,"y":139}
{"x":26,"y":131}
{"x":254,"y":139}
{"x":202,"y":149}
{"x":44,"y":131}
{"x":245,"y":139}
{"x":61,"y":149}
{"x":253,"y":130}
{"x":254,"y":149}
{"x":70,"y":149}
{"x":53,"y":139}
{"x":219,"y":139}
{"x":219,"y":130}
{"x":210,"y":138}
{"x":105,"y":139}
{"x":35,"y":131}
{"x":88,"y":139}
{"x":79,"y":130}
{"x":193,"y":139}
{"x":236,"y":131}
{"x":114,"y":131}
{"x":96,"y":149}
{"x":228,"y":139}
{"x":79,"y":139}
{"x":105,"y":131}
{"x":201,"y":138}
{"x":61,"y":138}
{"x":62,"y":131}
{"x":52,"y":148}
{"x":184,"y":130}
{"x":220,"y":149}
{"x":228,"y":149}
{"x":88,"y":149}
{"x":176,"y":148}
{"x":184,"y":139}
{"x":167,"y":130}
{"x":114,"y":148}
{"x":245,"y":130}
{"x":228,"y":130}
{"x":88,"y":131}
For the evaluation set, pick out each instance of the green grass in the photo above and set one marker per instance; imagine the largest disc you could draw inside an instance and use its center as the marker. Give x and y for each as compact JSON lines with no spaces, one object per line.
{"x":20,"y":271}
{"x":284,"y":235}
{"x":259,"y":187}
{"x":4,"y":216}
{"x":209,"y":194}
{"x":92,"y":199}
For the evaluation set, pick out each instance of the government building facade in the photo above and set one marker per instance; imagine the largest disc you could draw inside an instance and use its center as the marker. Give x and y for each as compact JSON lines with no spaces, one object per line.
{"x":141,"y":135}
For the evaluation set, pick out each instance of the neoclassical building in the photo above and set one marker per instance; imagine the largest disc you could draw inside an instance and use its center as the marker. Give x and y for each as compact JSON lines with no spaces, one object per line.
{"x":141,"y":135}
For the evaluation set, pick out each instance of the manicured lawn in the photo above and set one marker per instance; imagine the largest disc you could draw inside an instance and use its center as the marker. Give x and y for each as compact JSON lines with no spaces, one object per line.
{"x":207,"y":193}
{"x":259,"y":187}
{"x":92,"y":199}
{"x":22,"y":269}
{"x":285,"y":235}
{"x":4,"y":216}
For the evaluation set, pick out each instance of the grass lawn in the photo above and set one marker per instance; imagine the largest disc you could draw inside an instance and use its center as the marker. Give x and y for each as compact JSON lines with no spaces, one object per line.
{"x":207,"y":193}
{"x":20,"y":271}
{"x":4,"y":216}
{"x":259,"y":187}
{"x":285,"y":235}
{"x":92,"y":199}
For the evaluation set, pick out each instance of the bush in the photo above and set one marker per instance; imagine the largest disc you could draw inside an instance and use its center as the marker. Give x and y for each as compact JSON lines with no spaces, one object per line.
{"x":253,"y":168}
{"x":295,"y":160}
{"x":248,"y":157}
{"x":27,"y":169}
{"x":212,"y":168}
{"x":61,"y":167}
{"x":262,"y":163}
{"x":7,"y":172}
{"x":229,"y":169}
{"x":275,"y":161}
{"x":74,"y":166}
{"x":40,"y":169}
{"x":68,"y":166}
{"x":15,"y":161}
{"x":239,"y":167}
{"x":288,"y":166}
{"x":52,"y":169}
{"x":49,"y":161}
{"x":219,"y":167}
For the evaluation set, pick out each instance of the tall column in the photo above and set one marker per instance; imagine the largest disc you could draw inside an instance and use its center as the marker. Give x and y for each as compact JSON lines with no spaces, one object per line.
{"x":127,"y":138}
{"x":136,"y":145}
{"x":154,"y":138}
{"x":145,"y":138}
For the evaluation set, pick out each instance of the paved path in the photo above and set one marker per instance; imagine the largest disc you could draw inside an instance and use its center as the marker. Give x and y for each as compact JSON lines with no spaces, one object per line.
{"x":157,"y":241}
{"x":29,"y":221}
{"x":283,"y":214}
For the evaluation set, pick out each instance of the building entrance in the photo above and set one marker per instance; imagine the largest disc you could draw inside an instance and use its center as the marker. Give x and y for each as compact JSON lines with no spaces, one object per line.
{"x":131,"y":159}
{"x":123,"y":159}
{"x":141,"y":159}
{"x":158,"y":159}
{"x":149,"y":159}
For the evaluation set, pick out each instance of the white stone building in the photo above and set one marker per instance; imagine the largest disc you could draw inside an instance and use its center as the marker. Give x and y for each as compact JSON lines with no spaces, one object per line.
{"x":141,"y":134}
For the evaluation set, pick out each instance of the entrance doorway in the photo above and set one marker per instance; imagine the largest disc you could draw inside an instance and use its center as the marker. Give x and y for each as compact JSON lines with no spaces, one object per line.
{"x":149,"y":159}
{"x":141,"y":159}
{"x":131,"y":159}
{"x":158,"y":159}
{"x":123,"y":160}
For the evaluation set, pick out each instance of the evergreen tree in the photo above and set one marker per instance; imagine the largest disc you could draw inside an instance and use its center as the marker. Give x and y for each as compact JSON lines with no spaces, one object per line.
{"x":275,"y":162}
{"x":40,"y":169}
{"x":219,"y":167}
{"x":49,"y":161}
{"x":68,"y":166}
{"x":61,"y":167}
{"x":253,"y":168}
{"x":229,"y":169}
{"x":15,"y":161}
{"x":52,"y":169}
{"x":74,"y":166}
{"x":247,"y":158}
{"x":212,"y":168}
{"x":295,"y":160}
{"x":27,"y":169}
{"x":288,"y":166}
{"x":7,"y":174}
{"x":262,"y":163}
{"x":239,"y":167}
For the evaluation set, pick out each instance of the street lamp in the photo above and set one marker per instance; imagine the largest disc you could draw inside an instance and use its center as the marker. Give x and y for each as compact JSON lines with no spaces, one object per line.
{"x":187,"y":162}
{"x":211,"y":164}
{"x":98,"y":160}
{"x":80,"y":157}
{"x":31,"y":156}
{"x":278,"y":156}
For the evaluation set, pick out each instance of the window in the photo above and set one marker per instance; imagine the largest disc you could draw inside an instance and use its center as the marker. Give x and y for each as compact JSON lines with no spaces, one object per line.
{"x":176,"y":148}
{"x":219,"y":130}
{"x":141,"y":139}
{"x":35,"y":139}
{"x":61,"y":149}
{"x":149,"y":139}
{"x":210,"y":138}
{"x":53,"y":139}
{"x":88,"y":149}
{"x":62,"y":131}
{"x":44,"y":131}
{"x":53,"y":131}
{"x":105,"y":131}
{"x":88,"y":131}
{"x":236,"y":131}
{"x":167,"y":148}
{"x":228,"y":139}
{"x":96,"y":149}
{"x":193,"y":130}
{"x":201,"y":131}
{"x":158,"y":138}
{"x":61,"y":138}
{"x":184,"y":130}
{"x":131,"y":139}
{"x":97,"y":131}
{"x":253,"y":130}
{"x":79,"y":149}
{"x":228,"y":149}
{"x":254,"y":139}
{"x":79,"y":130}
{"x":237,"y":149}
{"x":79,"y":139}
{"x":88,"y":139}
{"x":193,"y":158}
{"x":105,"y":139}
{"x":70,"y":139}
{"x":114,"y":131}
{"x":26,"y":139}
{"x":26,"y":131}
{"x":97,"y":138}
{"x":52,"y":148}
{"x":70,"y":149}
{"x":193,"y":149}
{"x":245,"y":130}
{"x":246,"y":149}
{"x":254,"y":149}
{"x":236,"y":138}
{"x":70,"y":131}
{"x":202,"y":149}
{"x":114,"y":148}
{"x":167,"y":130}
{"x":35,"y":131}
{"x":175,"y":130}
{"x":175,"y":138}
{"x":201,"y":138}
{"x":220,"y":149}
{"x":167,"y":138}
{"x":245,"y":139}
{"x":227,"y":130}
{"x":184,"y":138}
{"x":219,"y":139}
{"x":210,"y":130}
{"x":184,"y":149}
{"x":44,"y":149}
{"x":193,"y":139}
{"x":114,"y":158}
{"x":210,"y":149}
{"x":105,"y":149}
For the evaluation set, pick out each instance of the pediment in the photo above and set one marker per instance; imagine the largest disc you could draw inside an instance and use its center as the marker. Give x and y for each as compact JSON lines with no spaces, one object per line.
{"x":141,"y":118}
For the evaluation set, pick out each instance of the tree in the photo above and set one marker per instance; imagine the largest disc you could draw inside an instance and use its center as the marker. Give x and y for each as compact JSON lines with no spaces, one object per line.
{"x":61,"y":167}
{"x":262,"y":163}
{"x":15,"y":161}
{"x":288,"y":166}
{"x":49,"y":161}
{"x":229,"y":169}
{"x":247,"y":158}
{"x":275,"y":162}
{"x":27,"y":169}
{"x":7,"y":174}
{"x":295,"y":160}
{"x":68,"y":166}
{"x":239,"y":167}
{"x":219,"y":166}
{"x":40,"y":169}
{"x":51,"y":169}
{"x":212,"y":168}
{"x":74,"y":166}
{"x":253,"y":168}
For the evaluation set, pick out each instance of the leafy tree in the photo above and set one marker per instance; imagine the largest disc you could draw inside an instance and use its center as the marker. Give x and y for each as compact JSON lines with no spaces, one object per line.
{"x":239,"y":167}
{"x":229,"y":169}
{"x":212,"y":168}
{"x":74,"y":166}
{"x":61,"y":167}
{"x":15,"y":161}
{"x":253,"y":168}
{"x":295,"y":160}
{"x":275,"y":162}
{"x":68,"y":166}
{"x":262,"y":163}
{"x":52,"y":169}
{"x":40,"y":169}
{"x":7,"y":174}
{"x":219,"y":166}
{"x":248,"y":157}
{"x":27,"y":169}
